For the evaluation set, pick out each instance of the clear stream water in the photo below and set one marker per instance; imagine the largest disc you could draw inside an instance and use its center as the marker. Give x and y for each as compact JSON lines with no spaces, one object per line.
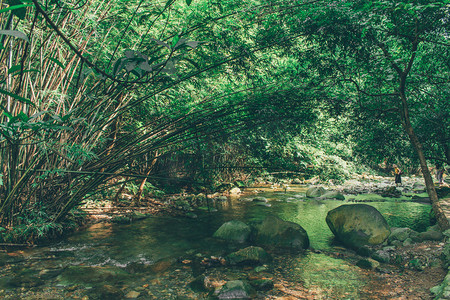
{"x":146,"y":256}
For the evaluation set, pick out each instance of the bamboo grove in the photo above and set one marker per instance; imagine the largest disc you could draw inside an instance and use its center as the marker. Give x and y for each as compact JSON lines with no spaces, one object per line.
{"x":94,"y":92}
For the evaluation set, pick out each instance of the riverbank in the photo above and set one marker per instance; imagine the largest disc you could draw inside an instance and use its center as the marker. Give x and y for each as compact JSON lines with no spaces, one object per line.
{"x":123,"y":240}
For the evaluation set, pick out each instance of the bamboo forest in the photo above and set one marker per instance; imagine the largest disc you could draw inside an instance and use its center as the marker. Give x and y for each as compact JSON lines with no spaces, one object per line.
{"x":224,"y":149}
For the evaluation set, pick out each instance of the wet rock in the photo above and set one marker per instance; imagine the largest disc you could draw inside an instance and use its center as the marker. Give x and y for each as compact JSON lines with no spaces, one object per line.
{"x":236,"y":289}
{"x":48,"y":274}
{"x":274,"y":231}
{"x":251,"y":256}
{"x":91,"y":275}
{"x":233,"y":231}
{"x":356,"y":225}
{"x":106,"y":292}
{"x":262,"y":284}
{"x":408,"y":242}
{"x":201,"y":284}
{"x":401,"y":234}
{"x":368,"y":263}
{"x":332,"y":195}
{"x":132,"y":295}
{"x":382,"y":256}
{"x":260,"y":199}
{"x":261,"y":269}
{"x":315,"y":192}
{"x":431,"y":235}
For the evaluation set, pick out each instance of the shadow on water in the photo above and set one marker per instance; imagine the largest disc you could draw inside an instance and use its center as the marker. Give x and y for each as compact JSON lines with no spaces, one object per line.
{"x":147,"y":253}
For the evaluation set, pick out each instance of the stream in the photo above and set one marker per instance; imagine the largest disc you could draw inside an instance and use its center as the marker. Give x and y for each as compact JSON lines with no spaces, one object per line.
{"x":155,"y":258}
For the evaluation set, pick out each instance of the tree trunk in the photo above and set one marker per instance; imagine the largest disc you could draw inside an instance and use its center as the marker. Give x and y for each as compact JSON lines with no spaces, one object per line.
{"x":437,"y":208}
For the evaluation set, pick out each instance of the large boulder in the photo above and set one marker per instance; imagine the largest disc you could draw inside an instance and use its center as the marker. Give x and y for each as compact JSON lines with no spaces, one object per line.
{"x":315,"y":192}
{"x":273,"y":231}
{"x":234,"y":230}
{"x":356,"y":225}
{"x":251,"y":255}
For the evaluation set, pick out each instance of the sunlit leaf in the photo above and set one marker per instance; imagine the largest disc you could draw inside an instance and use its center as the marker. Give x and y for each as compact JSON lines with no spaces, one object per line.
{"x":15,"y":33}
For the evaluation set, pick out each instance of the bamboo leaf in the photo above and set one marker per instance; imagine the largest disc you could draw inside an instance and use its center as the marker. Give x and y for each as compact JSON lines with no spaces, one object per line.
{"x":17,"y":97}
{"x":60,"y":64}
{"x":15,"y":33}
{"x":188,"y":2}
{"x":17,"y":8}
{"x":23,"y":117}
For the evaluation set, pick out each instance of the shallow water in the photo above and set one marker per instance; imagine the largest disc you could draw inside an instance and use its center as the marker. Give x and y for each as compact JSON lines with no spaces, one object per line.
{"x":145,"y":256}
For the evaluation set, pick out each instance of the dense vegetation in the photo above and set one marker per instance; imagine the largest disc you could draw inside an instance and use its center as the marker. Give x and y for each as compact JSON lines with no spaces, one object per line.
{"x":98,"y":94}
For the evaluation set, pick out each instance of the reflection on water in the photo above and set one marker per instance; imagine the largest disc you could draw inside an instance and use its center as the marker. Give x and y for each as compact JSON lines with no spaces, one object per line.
{"x":131,"y":254}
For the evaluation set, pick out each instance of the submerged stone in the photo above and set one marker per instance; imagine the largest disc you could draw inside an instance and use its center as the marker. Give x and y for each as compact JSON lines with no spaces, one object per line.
{"x":356,"y":225}
{"x":251,"y":255}
{"x":236,"y":289}
{"x":333,"y":195}
{"x":260,"y":199}
{"x":276,"y":232}
{"x":233,"y":231}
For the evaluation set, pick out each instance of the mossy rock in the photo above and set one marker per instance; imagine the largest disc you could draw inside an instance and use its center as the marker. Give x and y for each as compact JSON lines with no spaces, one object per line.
{"x":249,"y":256}
{"x":315,"y":192}
{"x":236,"y":289}
{"x":333,"y":195}
{"x":276,"y":232}
{"x":234,"y":230}
{"x":356,"y":225}
{"x":91,"y":275}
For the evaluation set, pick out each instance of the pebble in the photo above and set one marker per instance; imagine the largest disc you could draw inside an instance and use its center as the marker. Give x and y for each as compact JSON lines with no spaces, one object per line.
{"x":132,"y":295}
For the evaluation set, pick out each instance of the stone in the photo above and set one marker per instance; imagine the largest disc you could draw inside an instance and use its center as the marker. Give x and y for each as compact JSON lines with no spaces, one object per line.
{"x":251,"y":256}
{"x":234,"y":230}
{"x":236,"y":289}
{"x":431,"y":235}
{"x":296,"y":181}
{"x":333,"y":195}
{"x":315,"y":192}
{"x":401,"y":234}
{"x":276,"y":232}
{"x":408,"y":242}
{"x":91,"y":275}
{"x":132,"y":295}
{"x":262,"y":284}
{"x":356,"y":225}
{"x":381,"y":256}
{"x":260,"y":199}
{"x":235,"y":191}
{"x":200,"y":284}
{"x":261,"y":268}
{"x":368,"y":263}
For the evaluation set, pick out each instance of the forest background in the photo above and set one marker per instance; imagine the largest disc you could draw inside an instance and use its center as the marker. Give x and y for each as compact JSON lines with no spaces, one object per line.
{"x":158,"y":96}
